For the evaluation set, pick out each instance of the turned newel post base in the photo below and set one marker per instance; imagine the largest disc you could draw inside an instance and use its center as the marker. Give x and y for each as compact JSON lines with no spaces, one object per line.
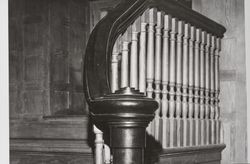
{"x":125,"y":116}
{"x":127,"y":144}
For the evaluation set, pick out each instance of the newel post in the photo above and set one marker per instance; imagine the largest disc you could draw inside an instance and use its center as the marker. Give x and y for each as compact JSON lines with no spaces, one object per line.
{"x":125,"y":115}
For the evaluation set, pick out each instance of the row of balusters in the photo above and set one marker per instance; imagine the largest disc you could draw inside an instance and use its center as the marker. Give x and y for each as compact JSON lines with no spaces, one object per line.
{"x":177,"y":64}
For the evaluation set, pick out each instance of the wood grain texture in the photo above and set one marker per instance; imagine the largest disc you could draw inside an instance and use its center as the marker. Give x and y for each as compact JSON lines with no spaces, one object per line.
{"x":192,"y":155}
{"x":47,"y":43}
{"x":50,"y":158}
{"x":233,"y":104}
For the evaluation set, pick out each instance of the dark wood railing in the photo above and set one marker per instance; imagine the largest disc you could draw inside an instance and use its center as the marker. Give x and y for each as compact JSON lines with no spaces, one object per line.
{"x":123,"y":112}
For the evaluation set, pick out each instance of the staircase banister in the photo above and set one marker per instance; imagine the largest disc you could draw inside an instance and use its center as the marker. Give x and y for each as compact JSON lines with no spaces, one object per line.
{"x":103,"y":36}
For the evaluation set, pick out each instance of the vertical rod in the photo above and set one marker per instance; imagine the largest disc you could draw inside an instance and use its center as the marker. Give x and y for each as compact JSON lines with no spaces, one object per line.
{"x":217,"y":90}
{"x":212,"y":90}
{"x":191,"y":84}
{"x":185,"y":82}
{"x":134,"y":55}
{"x":179,"y":80}
{"x":114,"y":67}
{"x":158,"y":54}
{"x":202,"y":84}
{"x":150,"y":59}
{"x":125,"y":59}
{"x":197,"y":86}
{"x":142,"y":57}
{"x":165,"y":79}
{"x":150,"y":53}
{"x":207,"y":86}
{"x":172,"y":80}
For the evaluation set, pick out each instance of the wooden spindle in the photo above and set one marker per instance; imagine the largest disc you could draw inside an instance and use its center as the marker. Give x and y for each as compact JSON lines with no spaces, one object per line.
{"x":179,"y":79}
{"x":178,"y":68}
{"x":191,"y":85}
{"x":125,"y":59}
{"x":172,"y":80}
{"x":165,"y":79}
{"x":197,"y":86}
{"x":212,"y":89}
{"x":207,"y":86}
{"x":217,"y":90}
{"x":114,"y":67}
{"x":142,"y":57}
{"x":185,"y":82}
{"x":150,"y":59}
{"x":98,"y":145}
{"x":202,"y":85}
{"x":134,"y":55}
{"x":150,"y":53}
{"x":158,"y":54}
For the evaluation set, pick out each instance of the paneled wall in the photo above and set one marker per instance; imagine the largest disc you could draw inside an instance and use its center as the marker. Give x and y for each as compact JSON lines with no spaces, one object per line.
{"x":230,"y":13}
{"x":47,"y":42}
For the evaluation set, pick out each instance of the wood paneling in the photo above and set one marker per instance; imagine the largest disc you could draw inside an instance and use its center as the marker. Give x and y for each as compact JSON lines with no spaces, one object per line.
{"x":50,"y":158}
{"x":209,"y":154}
{"x":47,"y":44}
{"x":230,"y":13}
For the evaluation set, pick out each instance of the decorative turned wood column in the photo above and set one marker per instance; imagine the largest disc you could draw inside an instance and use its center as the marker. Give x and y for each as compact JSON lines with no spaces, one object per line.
{"x":197,"y":86}
{"x":165,"y":80}
{"x":125,"y":116}
{"x":142,"y":55}
{"x":212,"y":90}
{"x":217,"y":90}
{"x":125,"y":60}
{"x":191,"y":85}
{"x":150,"y":53}
{"x":150,"y":59}
{"x":158,"y":55}
{"x":114,"y":68}
{"x":179,"y":52}
{"x":134,"y":55}
{"x":185,"y":83}
{"x":172,"y":74}
{"x":202,"y":85}
{"x":207,"y":89}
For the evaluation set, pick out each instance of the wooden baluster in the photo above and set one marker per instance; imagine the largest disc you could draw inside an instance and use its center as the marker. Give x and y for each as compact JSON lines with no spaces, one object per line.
{"x":207,"y":87}
{"x":142,"y":57}
{"x":134,"y":54}
{"x":217,"y":90}
{"x":158,"y":54}
{"x":98,"y":145}
{"x":125,"y":59}
{"x":107,"y":155}
{"x":172,"y":82}
{"x":165,"y":79}
{"x":191,"y":85}
{"x":202,"y":86}
{"x":179,"y":81}
{"x":114,"y":67}
{"x":212,"y":90}
{"x":185,"y":83}
{"x":197,"y":86}
{"x":150,"y":53}
{"x":150,"y":59}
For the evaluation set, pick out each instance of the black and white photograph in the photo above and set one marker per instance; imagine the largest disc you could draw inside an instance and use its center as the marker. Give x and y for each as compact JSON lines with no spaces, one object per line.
{"x":126,"y":81}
